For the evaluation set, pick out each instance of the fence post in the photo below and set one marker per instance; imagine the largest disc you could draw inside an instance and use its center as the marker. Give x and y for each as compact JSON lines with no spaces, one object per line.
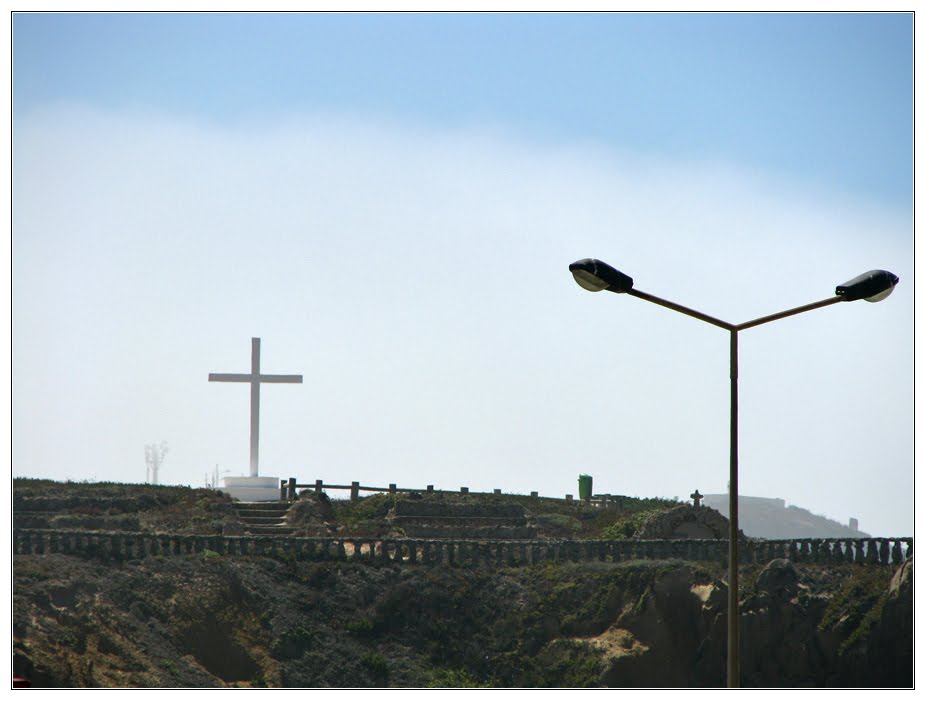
{"x":354,"y":491}
{"x":292,"y":489}
{"x":318,"y":485}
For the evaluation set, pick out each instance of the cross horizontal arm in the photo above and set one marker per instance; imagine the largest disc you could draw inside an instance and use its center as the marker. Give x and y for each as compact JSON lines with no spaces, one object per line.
{"x":228,"y":377}
{"x":280,"y":378}
{"x":238,"y":377}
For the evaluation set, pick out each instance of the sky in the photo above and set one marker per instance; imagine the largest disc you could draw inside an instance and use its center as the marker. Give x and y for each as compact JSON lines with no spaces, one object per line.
{"x":391,"y":203}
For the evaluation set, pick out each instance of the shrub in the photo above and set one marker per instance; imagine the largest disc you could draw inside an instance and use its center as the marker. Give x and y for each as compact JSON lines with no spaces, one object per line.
{"x":362,"y":627}
{"x":376,"y":664}
{"x":452,"y":679}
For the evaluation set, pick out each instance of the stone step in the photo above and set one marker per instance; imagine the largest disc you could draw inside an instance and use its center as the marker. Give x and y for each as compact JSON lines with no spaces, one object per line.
{"x":262,"y":512}
{"x":263,"y":505}
{"x":263,"y":520}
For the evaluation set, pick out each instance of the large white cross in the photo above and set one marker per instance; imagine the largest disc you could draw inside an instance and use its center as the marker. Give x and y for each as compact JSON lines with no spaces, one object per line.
{"x":254,"y":378}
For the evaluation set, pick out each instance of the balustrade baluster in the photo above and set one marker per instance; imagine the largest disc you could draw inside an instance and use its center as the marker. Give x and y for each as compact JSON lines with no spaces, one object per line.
{"x":860,"y":552}
{"x":126,"y":546}
{"x":896,"y":553}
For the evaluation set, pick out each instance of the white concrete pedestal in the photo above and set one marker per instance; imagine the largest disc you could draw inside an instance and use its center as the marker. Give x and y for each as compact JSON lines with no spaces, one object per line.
{"x":253,"y":488}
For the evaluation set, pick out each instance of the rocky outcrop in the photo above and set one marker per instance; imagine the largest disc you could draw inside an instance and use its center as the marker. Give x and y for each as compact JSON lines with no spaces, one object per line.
{"x":206,"y":619}
{"x":686,"y":521}
{"x":311,"y":515}
{"x":874,"y":656}
{"x":676,"y":635}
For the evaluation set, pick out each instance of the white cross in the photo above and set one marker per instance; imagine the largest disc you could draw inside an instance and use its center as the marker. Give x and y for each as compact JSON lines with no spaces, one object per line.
{"x":254,"y":378}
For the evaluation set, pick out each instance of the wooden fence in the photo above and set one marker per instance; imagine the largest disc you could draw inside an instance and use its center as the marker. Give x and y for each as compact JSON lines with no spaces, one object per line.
{"x":288,"y":492}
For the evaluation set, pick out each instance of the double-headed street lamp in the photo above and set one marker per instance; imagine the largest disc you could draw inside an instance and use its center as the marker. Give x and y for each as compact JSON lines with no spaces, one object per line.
{"x":873,"y":286}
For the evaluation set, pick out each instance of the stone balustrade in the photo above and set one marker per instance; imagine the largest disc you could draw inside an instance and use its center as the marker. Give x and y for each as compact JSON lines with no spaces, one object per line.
{"x":476,"y":553}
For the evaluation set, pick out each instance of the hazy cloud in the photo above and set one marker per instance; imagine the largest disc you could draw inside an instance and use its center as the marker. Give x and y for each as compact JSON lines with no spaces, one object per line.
{"x":418,"y":280}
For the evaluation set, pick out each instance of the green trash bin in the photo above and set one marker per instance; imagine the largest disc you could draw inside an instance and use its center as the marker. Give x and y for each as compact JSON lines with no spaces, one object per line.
{"x":585,"y":487}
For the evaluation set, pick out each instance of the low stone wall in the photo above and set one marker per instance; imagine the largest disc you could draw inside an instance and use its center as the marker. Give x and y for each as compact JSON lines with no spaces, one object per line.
{"x":127,"y":546}
{"x":430,"y":509}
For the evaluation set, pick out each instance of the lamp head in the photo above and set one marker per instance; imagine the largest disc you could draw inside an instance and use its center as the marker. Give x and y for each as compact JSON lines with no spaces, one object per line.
{"x":872,"y":286}
{"x":595,"y":276}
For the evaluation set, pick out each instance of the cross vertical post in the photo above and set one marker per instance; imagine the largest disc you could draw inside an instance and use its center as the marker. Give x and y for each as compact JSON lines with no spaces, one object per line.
{"x":255,"y":378}
{"x":255,"y":403}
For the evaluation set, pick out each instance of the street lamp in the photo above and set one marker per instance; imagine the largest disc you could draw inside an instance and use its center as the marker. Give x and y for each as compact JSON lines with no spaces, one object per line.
{"x":873,"y":286}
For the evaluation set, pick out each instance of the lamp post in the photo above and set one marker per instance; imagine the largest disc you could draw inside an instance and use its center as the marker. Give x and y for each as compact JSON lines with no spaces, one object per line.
{"x":873,"y":286}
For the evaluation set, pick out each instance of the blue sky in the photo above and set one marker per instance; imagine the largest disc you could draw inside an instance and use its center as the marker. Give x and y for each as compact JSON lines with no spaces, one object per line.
{"x":391,"y":202}
{"x":826,"y":98}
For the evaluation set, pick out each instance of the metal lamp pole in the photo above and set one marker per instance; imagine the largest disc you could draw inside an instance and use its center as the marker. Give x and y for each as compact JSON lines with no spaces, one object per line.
{"x":873,"y":286}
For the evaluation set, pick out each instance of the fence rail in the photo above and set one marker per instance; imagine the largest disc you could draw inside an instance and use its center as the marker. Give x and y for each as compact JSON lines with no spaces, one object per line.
{"x":288,"y":492}
{"x":126,"y":546}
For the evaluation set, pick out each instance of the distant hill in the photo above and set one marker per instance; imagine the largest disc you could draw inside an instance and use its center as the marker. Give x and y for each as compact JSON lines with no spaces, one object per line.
{"x":761,"y":517}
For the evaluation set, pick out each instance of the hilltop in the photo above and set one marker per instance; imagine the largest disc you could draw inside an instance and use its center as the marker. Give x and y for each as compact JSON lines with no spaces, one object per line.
{"x":207,"y":619}
{"x":147,"y":508}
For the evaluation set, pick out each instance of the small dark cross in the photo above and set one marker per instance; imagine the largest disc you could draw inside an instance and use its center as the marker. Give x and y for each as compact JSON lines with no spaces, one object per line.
{"x":697,"y":498}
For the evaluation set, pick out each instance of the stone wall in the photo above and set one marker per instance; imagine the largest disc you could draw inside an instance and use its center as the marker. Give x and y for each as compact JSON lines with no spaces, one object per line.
{"x":127,"y":546}
{"x":439,"y":520}
{"x":437,"y":509}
